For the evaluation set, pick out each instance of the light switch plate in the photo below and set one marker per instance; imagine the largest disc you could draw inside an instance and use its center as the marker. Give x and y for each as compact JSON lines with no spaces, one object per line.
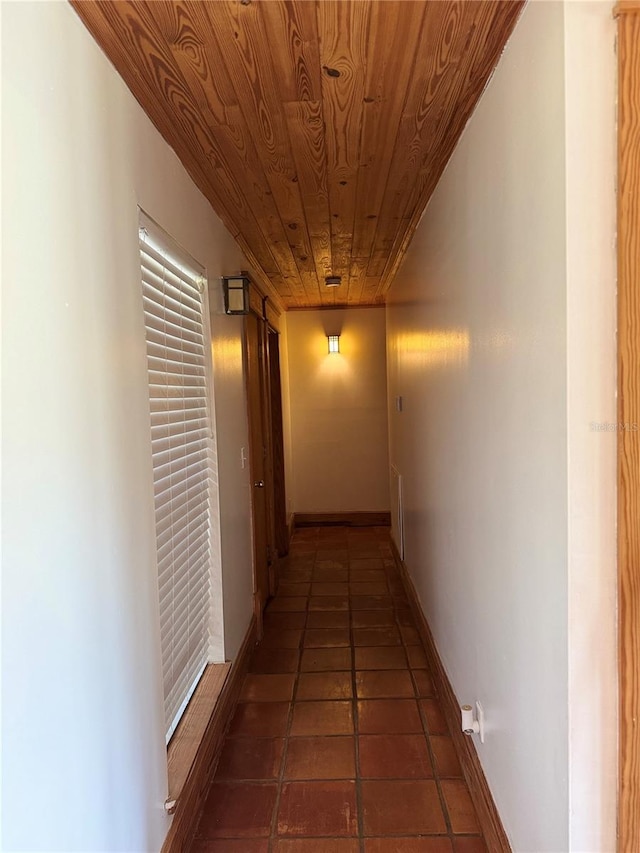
{"x":480,"y":718}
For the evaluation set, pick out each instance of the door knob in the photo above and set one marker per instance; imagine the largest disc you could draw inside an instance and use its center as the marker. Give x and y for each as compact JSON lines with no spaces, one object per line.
{"x":259,"y":484}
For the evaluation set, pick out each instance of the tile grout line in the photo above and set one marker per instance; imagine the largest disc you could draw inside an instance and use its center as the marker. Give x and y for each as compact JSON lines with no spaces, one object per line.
{"x":356,"y":723}
{"x":273,"y":835}
{"x":425,"y":726}
{"x":400,"y":612}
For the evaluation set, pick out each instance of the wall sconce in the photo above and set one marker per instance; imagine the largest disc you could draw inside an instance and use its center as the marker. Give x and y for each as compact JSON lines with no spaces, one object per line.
{"x":236,"y":294}
{"x":334,"y":343}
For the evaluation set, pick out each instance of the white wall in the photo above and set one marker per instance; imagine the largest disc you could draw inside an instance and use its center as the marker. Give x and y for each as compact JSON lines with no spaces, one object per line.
{"x":83,"y":757}
{"x":590,"y":94}
{"x":501,"y":341}
{"x":339,"y":439}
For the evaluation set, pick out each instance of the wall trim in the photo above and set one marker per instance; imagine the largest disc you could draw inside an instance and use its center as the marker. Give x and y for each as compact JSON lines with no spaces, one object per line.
{"x":626,"y":7}
{"x":346,"y":519}
{"x":337,"y":307}
{"x":272,"y":314}
{"x":196,"y":786}
{"x":628,"y":418}
{"x":188,"y":736}
{"x":488,"y":817}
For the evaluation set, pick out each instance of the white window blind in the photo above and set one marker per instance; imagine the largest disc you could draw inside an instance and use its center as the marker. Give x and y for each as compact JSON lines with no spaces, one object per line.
{"x":173,"y":298}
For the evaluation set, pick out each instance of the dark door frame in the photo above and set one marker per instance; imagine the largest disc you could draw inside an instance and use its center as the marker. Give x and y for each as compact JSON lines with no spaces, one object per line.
{"x":281,"y":530}
{"x":270,"y":467}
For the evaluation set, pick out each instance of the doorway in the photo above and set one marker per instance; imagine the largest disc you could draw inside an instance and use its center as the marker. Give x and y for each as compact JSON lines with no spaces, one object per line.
{"x":266,"y":451}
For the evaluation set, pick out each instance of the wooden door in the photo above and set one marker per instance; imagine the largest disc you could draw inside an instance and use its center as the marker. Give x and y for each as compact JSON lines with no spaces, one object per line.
{"x":256,"y":376}
{"x":281,"y":534}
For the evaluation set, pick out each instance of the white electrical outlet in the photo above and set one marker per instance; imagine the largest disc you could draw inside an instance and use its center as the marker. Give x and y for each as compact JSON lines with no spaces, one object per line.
{"x":480,"y":719}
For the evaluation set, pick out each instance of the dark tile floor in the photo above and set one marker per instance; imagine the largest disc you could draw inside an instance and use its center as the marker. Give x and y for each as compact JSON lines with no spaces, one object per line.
{"x":339,"y":744}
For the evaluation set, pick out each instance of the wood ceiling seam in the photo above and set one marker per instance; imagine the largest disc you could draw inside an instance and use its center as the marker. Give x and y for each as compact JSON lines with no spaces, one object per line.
{"x":443,"y":28}
{"x":467,"y":87}
{"x":162,"y":121}
{"x":328,"y":296}
{"x":278,"y":241}
{"x":189,"y":21}
{"x":234,"y":154}
{"x":405,"y":45}
{"x":301,"y":128}
{"x":357,"y":272}
{"x":244,"y":218}
{"x":92,"y":13}
{"x":429,"y":168}
{"x":229,"y":85}
{"x":249,"y":251}
{"x":472,"y":85}
{"x":343,"y":33}
{"x":226,"y":120}
{"x":261,"y":111}
{"x":359,"y":261}
{"x":311,"y":282}
{"x":299,"y":123}
{"x":299,"y":21}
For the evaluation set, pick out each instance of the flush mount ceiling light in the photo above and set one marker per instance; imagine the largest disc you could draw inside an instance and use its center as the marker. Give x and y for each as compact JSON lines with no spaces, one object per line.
{"x":236,"y":293}
{"x":333,"y":281}
{"x":334,"y":343}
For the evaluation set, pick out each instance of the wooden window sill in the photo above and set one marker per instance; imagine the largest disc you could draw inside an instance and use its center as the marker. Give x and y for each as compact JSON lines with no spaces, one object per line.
{"x":185,"y":743}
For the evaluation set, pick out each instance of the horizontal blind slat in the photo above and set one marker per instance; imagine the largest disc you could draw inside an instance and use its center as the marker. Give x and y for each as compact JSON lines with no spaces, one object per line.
{"x":160,"y":281}
{"x":181,"y":449}
{"x":188,"y":276}
{"x":171,"y":315}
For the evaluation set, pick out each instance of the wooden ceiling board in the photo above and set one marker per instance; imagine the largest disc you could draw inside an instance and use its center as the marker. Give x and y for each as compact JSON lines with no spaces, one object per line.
{"x":317,"y":129}
{"x":246,"y":56}
{"x":343,"y":31}
{"x":393,"y":44}
{"x":142,"y":57}
{"x":293,"y":27}
{"x":459,"y":94}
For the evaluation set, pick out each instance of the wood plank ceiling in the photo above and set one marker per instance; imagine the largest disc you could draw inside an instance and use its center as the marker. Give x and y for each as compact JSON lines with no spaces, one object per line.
{"x":317,"y":129}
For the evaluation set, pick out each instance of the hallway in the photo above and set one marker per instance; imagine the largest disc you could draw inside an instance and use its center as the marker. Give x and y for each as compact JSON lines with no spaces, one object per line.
{"x":419,"y":221}
{"x":339,"y":744}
